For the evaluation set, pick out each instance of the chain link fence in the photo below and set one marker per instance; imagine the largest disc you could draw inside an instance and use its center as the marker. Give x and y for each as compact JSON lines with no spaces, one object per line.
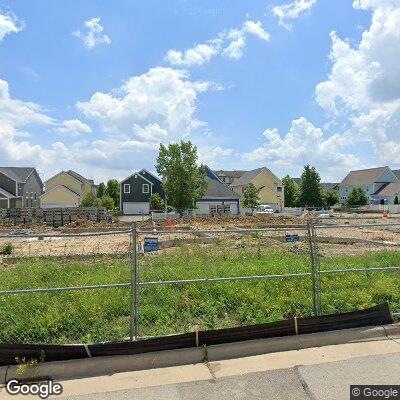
{"x":107,"y":286}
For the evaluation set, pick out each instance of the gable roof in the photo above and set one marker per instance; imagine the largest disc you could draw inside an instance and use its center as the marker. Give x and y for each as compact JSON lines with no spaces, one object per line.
{"x":216,"y":189}
{"x":149,"y":173}
{"x":7,"y":194}
{"x":389,"y":189}
{"x":248,"y":176}
{"x":80,"y":177}
{"x":62,"y":187}
{"x":136,"y":173}
{"x":19,"y":174}
{"x":229,"y":174}
{"x":363,"y":176}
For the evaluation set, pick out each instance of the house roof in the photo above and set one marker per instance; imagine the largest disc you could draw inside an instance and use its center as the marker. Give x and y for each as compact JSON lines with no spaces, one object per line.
{"x":397,"y":173}
{"x":329,"y":185}
{"x":216,"y":189}
{"x":389,"y":189}
{"x":363,"y":176}
{"x":7,"y":194}
{"x":248,"y":176}
{"x":80,"y":177}
{"x":229,"y":174}
{"x":19,"y":174}
{"x":58,"y":187}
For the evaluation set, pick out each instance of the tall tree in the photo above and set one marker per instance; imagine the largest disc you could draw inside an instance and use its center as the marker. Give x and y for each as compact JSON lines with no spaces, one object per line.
{"x":184,"y":181}
{"x":112,"y":190}
{"x":250,"y":197}
{"x":291,"y":191}
{"x":310,"y":188}
{"x":357,"y":197}
{"x":101,"y":191}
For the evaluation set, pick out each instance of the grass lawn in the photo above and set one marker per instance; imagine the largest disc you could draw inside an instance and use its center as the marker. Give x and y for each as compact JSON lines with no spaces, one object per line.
{"x":103,"y":315}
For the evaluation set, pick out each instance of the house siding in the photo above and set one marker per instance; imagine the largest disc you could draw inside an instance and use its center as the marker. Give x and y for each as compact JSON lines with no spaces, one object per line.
{"x":136,"y":194}
{"x":32,"y":185}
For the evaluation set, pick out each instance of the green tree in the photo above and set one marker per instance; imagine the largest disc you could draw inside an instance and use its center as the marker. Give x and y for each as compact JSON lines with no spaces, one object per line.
{"x":107,"y":202}
{"x":310,"y":188}
{"x":331,"y":197}
{"x":184,"y":181}
{"x":112,"y":190}
{"x":357,"y":197}
{"x":250,"y":197}
{"x":156,"y":202}
{"x":396,"y":200}
{"x":101,"y":190}
{"x":89,"y":200}
{"x":291,"y":190}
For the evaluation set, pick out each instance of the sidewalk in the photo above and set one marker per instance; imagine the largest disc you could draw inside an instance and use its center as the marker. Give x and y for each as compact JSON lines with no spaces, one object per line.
{"x":315,"y":373}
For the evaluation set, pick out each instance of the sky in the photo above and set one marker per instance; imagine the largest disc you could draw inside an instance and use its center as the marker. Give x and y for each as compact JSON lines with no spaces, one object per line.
{"x":96,"y":86}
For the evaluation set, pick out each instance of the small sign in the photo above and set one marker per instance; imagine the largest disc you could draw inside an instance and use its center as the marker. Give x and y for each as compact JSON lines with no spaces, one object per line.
{"x":150,"y":244}
{"x":292,"y":238}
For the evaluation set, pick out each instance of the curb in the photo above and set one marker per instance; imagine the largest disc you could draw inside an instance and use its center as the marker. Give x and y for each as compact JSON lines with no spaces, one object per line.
{"x":97,"y":366}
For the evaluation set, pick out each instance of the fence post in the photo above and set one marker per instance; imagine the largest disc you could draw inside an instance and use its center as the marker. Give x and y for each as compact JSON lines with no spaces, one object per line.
{"x":134,"y":326}
{"x":314,"y":268}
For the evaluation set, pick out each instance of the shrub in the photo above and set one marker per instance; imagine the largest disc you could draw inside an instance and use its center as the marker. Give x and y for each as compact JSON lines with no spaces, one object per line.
{"x":6,"y":249}
{"x":107,"y":202}
{"x":156,"y":202}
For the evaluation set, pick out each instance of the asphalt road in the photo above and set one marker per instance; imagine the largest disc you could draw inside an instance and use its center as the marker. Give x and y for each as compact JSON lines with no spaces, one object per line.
{"x":328,"y":381}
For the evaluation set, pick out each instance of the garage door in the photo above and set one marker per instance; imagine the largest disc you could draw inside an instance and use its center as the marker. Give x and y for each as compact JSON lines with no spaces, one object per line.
{"x":136,"y":208}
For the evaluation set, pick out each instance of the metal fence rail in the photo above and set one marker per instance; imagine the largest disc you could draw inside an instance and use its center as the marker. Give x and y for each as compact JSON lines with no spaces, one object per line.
{"x":312,"y":243}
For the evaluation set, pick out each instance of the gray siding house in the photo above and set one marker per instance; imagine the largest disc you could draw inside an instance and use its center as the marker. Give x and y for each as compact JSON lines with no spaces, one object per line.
{"x":219,"y":199}
{"x":136,"y":191}
{"x":381,"y":185}
{"x":20,"y":187}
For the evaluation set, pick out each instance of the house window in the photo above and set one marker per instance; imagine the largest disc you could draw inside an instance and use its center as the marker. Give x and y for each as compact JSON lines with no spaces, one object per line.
{"x":145,"y":188}
{"x":279,"y":189}
{"x":27,"y":200}
{"x":35,"y":196}
{"x":212,"y":209}
{"x":127,"y":188}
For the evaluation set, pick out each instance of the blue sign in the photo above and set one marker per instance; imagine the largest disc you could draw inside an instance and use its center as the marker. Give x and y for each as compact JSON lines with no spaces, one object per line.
{"x":150,"y":244}
{"x":292,"y":238}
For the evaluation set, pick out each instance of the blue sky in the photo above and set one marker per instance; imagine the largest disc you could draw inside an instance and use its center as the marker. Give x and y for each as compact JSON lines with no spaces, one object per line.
{"x":96,"y":86}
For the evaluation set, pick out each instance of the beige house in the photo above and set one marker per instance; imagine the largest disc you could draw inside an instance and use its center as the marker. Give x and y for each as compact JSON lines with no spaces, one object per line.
{"x":66,"y":189}
{"x":271,"y":187}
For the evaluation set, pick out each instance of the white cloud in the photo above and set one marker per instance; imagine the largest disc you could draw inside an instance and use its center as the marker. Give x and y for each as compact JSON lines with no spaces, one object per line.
{"x":228,"y":43}
{"x":156,"y":106}
{"x":9,"y":24}
{"x":95,"y":34}
{"x":364,"y":83}
{"x":294,"y":10}
{"x":74,"y":127}
{"x":212,"y":156}
{"x":303,"y":143}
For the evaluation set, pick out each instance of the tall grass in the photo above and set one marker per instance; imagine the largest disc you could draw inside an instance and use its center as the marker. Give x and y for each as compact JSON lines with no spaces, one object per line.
{"x":102,"y":315}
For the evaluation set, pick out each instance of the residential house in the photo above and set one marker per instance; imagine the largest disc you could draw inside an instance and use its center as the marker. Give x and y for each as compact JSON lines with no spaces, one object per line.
{"x":66,"y":189}
{"x":20,"y":187}
{"x":229,"y":177}
{"x":271,"y":187}
{"x":381,"y":184}
{"x":136,"y":191}
{"x":218,"y":199}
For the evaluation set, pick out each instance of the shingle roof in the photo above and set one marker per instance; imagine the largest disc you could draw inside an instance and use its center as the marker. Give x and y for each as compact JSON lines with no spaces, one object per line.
{"x":79,"y":176}
{"x":19,"y":174}
{"x":363,"y":176}
{"x":6,"y":194}
{"x":229,"y":174}
{"x":390,"y":189}
{"x":217,"y":189}
{"x":247,"y":177}
{"x":396,"y":172}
